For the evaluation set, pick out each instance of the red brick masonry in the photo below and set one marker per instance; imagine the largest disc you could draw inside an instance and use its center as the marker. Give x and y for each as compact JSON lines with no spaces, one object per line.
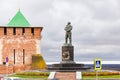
{"x":18,"y":44}
{"x":66,"y":75}
{"x":13,"y":69}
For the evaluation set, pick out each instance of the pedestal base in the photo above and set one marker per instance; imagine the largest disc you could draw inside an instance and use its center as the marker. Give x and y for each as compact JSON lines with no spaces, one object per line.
{"x":68,"y":67}
{"x":67,"y":62}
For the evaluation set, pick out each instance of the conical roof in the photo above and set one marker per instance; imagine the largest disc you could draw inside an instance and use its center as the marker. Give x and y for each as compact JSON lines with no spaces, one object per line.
{"x":19,"y":21}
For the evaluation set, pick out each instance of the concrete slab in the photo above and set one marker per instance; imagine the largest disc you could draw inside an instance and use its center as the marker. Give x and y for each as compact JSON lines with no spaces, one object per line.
{"x":51,"y":76}
{"x":78,"y":75}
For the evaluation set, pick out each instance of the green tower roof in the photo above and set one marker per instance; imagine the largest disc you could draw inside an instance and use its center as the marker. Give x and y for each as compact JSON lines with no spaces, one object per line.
{"x":19,"y":21}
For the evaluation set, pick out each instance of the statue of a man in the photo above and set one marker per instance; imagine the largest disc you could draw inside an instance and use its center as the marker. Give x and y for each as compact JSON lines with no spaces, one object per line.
{"x":68,"y":29}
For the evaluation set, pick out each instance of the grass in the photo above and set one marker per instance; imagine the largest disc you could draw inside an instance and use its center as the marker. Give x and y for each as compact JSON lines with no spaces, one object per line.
{"x":101,"y":75}
{"x":33,"y":73}
{"x":43,"y":75}
{"x":85,"y":75}
{"x":24,"y":76}
{"x":112,"y":76}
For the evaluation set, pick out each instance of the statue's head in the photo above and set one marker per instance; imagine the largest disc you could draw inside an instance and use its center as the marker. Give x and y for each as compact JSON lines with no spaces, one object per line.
{"x":69,"y":23}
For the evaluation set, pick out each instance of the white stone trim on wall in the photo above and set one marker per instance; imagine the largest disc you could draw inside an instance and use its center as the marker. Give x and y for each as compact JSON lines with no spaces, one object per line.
{"x":38,"y":48}
{"x":1,"y":46}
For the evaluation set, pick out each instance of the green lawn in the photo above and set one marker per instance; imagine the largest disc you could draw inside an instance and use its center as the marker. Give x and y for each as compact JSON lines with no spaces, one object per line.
{"x":40,"y":75}
{"x":85,"y":75}
{"x":24,"y":76}
{"x":100,"y":77}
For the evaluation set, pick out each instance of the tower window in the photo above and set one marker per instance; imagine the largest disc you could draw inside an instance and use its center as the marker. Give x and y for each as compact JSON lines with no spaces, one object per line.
{"x":23,"y":31}
{"x":5,"y":31}
{"x":23,"y":56}
{"x":14,"y":31}
{"x":32,"y":31}
{"x":14,"y":56}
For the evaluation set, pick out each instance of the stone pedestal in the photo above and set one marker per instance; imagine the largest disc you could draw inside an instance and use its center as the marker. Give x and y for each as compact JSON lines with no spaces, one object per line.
{"x":67,"y":54}
{"x":68,"y":63}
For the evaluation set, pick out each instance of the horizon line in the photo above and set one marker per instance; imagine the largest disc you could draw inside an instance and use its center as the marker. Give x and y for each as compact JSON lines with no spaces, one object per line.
{"x":90,"y":62}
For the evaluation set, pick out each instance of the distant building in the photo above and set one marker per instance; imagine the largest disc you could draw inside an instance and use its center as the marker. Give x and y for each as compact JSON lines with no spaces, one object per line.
{"x":19,"y":41}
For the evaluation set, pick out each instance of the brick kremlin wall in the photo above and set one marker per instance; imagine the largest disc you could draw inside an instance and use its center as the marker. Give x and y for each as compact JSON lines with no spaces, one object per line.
{"x":18,"y":44}
{"x":13,"y":69}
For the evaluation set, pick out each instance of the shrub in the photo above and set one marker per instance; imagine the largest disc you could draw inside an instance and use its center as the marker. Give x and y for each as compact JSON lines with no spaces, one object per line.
{"x":33,"y":73}
{"x":102,"y":73}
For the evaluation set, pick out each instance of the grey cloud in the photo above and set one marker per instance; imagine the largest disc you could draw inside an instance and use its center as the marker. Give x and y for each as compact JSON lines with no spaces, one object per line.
{"x":91,"y":57}
{"x":95,"y":25}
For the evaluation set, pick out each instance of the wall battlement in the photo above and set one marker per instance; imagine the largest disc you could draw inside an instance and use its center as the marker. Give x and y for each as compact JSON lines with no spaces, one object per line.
{"x":25,"y":32}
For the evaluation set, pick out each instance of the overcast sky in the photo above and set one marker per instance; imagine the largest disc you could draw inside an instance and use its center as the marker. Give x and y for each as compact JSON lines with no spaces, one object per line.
{"x":96,"y":26}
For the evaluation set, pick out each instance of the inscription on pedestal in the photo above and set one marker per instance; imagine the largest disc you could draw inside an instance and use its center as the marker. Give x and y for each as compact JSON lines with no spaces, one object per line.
{"x":67,"y":53}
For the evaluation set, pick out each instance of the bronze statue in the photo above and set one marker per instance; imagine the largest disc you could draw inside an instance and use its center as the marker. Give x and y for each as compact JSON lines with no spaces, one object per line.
{"x":68,"y":29}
